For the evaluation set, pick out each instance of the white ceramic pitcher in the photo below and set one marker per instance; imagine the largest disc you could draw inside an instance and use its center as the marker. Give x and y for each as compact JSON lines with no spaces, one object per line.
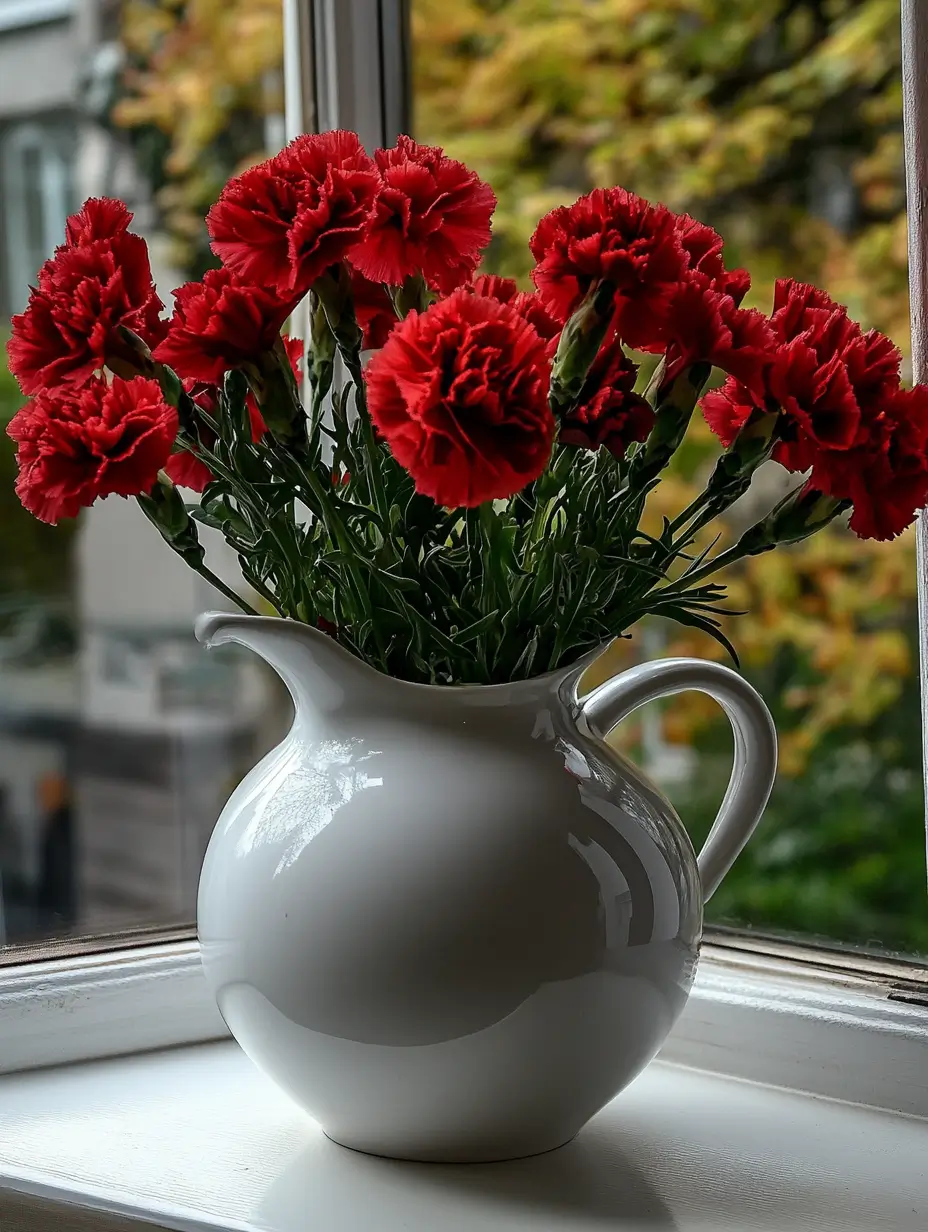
{"x":452,"y":923}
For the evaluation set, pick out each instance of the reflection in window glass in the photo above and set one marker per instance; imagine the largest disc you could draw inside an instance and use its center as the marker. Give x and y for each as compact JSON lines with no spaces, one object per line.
{"x":781,"y":126}
{"x":119,"y":738}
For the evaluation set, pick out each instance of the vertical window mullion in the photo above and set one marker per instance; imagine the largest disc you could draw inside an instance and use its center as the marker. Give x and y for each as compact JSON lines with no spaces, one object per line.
{"x":915,"y":123}
{"x":300,"y":111}
{"x":347,"y":67}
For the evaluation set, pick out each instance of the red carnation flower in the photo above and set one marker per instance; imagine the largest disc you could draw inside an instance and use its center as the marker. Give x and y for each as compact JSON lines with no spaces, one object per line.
{"x":85,"y":292}
{"x":530,"y":307}
{"x":845,"y":417}
{"x":873,"y":362}
{"x":726,"y":410}
{"x":818,"y":400}
{"x":611,"y":234}
{"x":460,"y":393}
{"x":185,"y":468}
{"x":296,"y":349}
{"x":496,"y":287}
{"x":797,"y":305}
{"x":432,"y":215}
{"x":74,"y":446}
{"x":703,"y":248}
{"x":221,"y":323}
{"x":608,"y":411}
{"x":283,"y":223}
{"x":889,"y":484}
{"x":99,"y":218}
{"x":373,"y":310}
{"x":827,"y":375}
{"x":706,"y":325}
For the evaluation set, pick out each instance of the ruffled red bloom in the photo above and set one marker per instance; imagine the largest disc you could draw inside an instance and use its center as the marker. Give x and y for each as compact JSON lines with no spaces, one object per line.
{"x":221,"y":323}
{"x":92,"y":285}
{"x":99,"y":218}
{"x":529,"y":307}
{"x":795,"y":302}
{"x":373,"y":310}
{"x":283,"y":223}
{"x":611,"y":234}
{"x":726,"y":410}
{"x":703,"y":248}
{"x":704,"y":324}
{"x":460,"y":394}
{"x":75,"y":445}
{"x":828,"y":376}
{"x":185,"y":468}
{"x":845,"y":418}
{"x":817,"y":397}
{"x":888,"y":485}
{"x":432,"y":215}
{"x":496,"y":287}
{"x":608,"y":411}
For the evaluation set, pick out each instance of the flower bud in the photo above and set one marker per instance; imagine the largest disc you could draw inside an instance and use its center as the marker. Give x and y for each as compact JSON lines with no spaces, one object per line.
{"x":274,"y":387}
{"x":672,"y":416}
{"x":579,"y":345}
{"x":127,"y":355}
{"x":333,"y":290}
{"x":323,"y":349}
{"x":734,"y":470}
{"x":164,"y":507}
{"x":800,"y":514}
{"x":170,"y":384}
{"x":413,"y":294}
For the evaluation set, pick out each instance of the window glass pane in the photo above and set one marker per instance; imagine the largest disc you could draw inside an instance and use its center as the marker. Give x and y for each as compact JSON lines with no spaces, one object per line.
{"x":119,"y":738}
{"x":779,"y":124}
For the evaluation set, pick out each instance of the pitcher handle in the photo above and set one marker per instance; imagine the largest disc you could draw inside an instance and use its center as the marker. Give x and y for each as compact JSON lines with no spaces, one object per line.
{"x":755,"y":761}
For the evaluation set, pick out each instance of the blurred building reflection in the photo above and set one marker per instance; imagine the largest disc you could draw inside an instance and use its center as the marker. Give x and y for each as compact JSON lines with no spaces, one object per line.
{"x":119,"y":738}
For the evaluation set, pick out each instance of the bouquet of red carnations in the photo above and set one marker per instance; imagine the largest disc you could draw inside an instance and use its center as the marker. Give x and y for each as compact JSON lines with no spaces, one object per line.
{"x":467,"y":504}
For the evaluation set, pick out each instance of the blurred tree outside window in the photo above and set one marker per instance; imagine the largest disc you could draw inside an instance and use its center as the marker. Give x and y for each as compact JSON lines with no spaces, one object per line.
{"x":200,"y":91}
{"x":778,"y":122}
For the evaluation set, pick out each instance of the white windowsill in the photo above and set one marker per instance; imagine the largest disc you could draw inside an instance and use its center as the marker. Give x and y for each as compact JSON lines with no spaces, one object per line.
{"x":194,"y":1138}
{"x":769,"y":1019}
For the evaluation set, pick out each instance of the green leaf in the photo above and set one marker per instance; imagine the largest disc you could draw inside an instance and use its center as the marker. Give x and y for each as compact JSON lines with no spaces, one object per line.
{"x":523,"y":666}
{"x":696,"y":621}
{"x":201,"y":515}
{"x":472,"y":632}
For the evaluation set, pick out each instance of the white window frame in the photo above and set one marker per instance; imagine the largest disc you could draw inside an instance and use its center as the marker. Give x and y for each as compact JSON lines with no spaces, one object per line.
{"x":823,"y":1021}
{"x":44,"y":139}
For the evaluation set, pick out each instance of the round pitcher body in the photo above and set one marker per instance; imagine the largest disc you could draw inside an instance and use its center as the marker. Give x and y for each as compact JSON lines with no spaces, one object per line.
{"x":447,"y":922}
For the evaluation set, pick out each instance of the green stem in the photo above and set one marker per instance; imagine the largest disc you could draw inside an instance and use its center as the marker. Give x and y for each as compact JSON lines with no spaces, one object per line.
{"x":694,"y":507}
{"x":375,"y":479}
{"x":220,"y":585}
{"x":736,"y":552}
{"x":256,"y":584}
{"x":243,"y":494}
{"x":342,"y":538}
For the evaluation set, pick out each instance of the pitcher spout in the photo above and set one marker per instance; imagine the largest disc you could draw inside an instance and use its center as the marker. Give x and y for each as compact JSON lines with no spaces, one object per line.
{"x":321,"y":675}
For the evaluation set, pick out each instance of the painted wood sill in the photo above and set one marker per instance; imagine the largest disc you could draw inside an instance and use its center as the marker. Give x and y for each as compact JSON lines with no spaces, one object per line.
{"x":194,"y":1138}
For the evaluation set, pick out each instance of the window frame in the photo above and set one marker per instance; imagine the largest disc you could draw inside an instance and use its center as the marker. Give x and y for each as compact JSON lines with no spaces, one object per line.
{"x":914,"y":21}
{"x":832,"y":1023}
{"x":817,"y":1021}
{"x":44,"y":136}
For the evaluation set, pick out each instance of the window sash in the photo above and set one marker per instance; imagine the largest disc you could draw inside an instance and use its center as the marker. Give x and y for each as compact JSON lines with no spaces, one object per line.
{"x":347,"y":66}
{"x":915,"y":130}
{"x":336,"y":75}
